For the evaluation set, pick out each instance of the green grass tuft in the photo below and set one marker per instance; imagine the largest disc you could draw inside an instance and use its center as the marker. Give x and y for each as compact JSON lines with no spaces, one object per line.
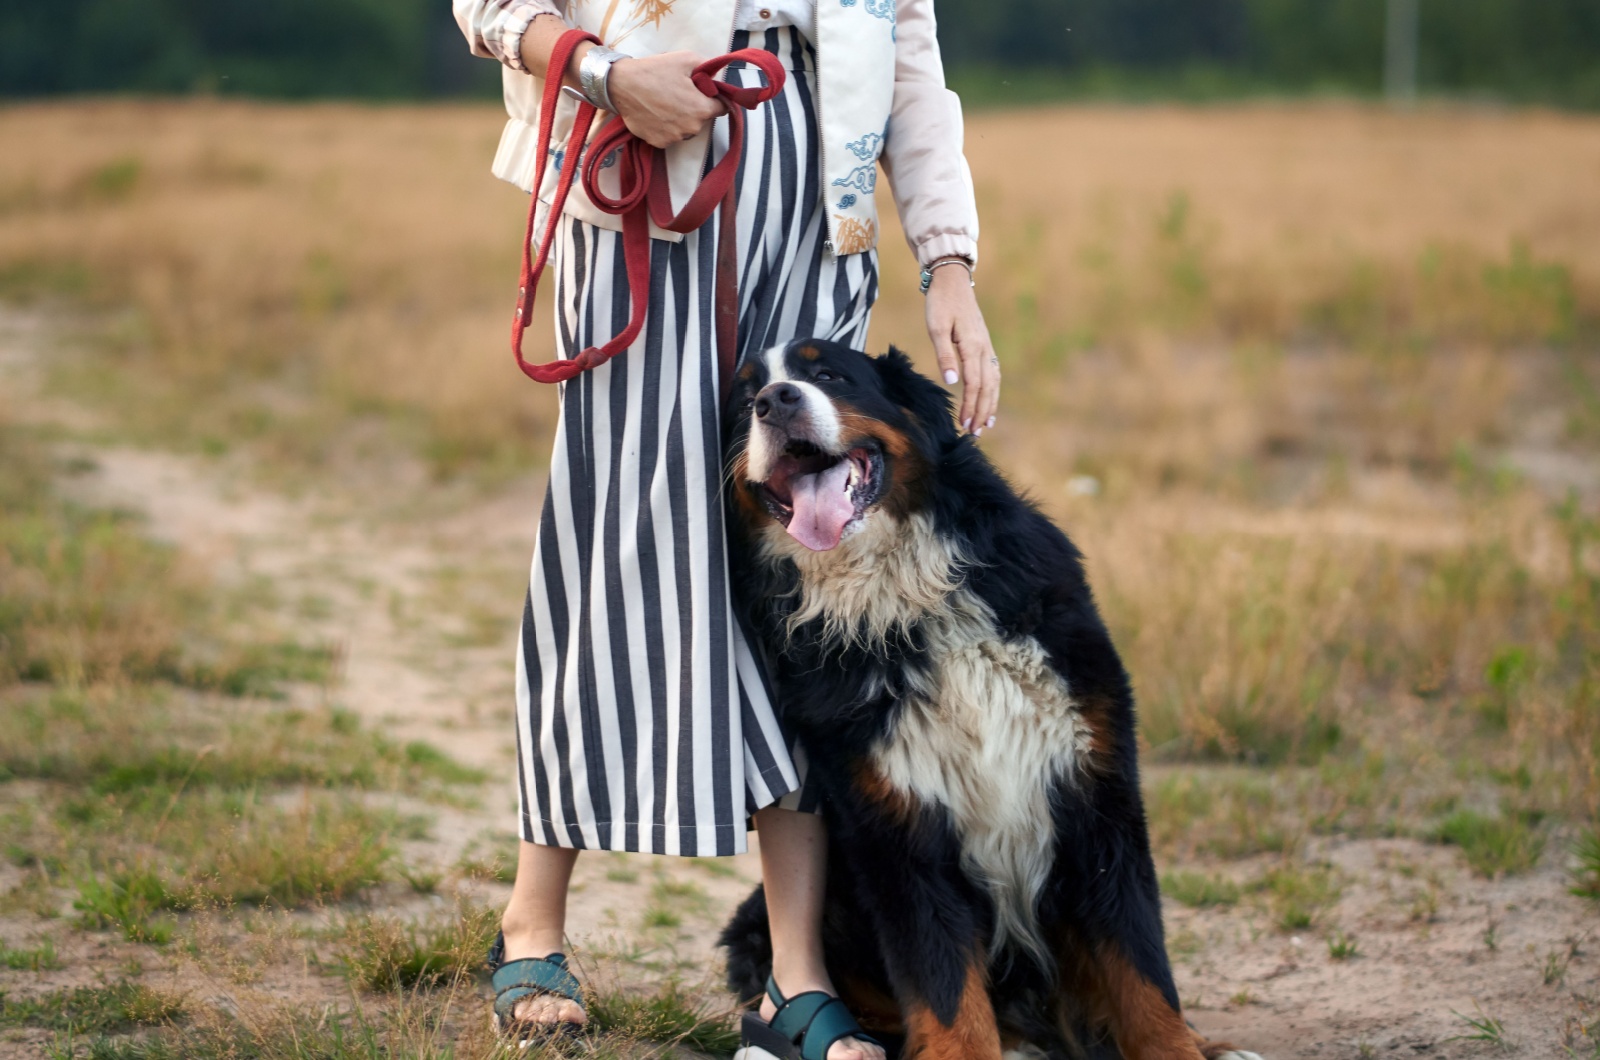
{"x":40,"y":958}
{"x":1494,"y":845}
{"x":1342,"y":946}
{"x":119,"y":1006}
{"x":1200,"y":891}
{"x":671,"y":1014}
{"x":1586,"y":876}
{"x":1299,"y":895}
{"x":1481,"y":1028}
{"x":383,"y":953}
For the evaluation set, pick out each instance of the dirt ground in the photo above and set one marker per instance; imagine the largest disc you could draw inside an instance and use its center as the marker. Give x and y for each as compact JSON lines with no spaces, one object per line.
{"x":420,"y":588}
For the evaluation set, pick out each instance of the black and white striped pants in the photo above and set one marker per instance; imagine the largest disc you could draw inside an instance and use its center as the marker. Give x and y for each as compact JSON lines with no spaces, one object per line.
{"x":643,"y":719}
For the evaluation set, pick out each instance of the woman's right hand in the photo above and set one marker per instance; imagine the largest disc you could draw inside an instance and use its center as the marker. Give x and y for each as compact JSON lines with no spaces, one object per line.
{"x":656,"y":97}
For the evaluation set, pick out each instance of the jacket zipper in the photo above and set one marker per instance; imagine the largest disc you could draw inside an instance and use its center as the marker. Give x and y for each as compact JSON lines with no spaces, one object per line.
{"x":822,"y":144}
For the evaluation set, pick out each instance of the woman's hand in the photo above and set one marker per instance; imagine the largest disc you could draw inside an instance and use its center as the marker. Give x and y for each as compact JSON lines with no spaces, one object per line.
{"x":657,"y":99}
{"x":961,"y":341}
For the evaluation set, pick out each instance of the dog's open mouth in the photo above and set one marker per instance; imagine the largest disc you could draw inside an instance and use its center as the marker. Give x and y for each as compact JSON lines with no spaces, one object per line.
{"x":817,"y":496}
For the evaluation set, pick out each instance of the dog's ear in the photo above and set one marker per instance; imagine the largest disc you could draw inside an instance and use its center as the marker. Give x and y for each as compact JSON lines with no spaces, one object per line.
{"x":910,"y":389}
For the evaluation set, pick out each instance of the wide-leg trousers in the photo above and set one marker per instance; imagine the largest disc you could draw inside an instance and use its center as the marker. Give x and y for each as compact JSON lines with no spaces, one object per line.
{"x":644,"y":720}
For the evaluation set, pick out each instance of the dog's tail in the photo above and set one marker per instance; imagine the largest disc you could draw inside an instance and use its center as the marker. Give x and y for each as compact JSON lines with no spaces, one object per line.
{"x":748,"y":940}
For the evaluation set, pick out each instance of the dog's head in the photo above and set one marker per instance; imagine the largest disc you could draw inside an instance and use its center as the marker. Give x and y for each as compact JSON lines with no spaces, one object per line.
{"x":824,"y":439}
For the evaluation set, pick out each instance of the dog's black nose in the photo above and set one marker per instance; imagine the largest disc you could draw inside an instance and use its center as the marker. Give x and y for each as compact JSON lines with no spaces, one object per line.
{"x":784,"y":397}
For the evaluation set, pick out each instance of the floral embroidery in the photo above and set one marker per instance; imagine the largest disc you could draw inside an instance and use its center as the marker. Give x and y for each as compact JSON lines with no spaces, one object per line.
{"x":862,"y":178}
{"x":868,"y":148}
{"x":875,"y":8}
{"x":623,"y":17}
{"x":846,"y":201}
{"x":854,"y":236}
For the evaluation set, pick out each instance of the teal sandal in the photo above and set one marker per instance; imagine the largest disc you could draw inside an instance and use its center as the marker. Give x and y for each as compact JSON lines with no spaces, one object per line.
{"x":532,"y":977}
{"x":803,"y":1028}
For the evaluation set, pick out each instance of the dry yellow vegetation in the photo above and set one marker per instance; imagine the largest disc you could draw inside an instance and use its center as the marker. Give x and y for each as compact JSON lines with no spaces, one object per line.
{"x":1306,"y":381}
{"x":1316,"y":388}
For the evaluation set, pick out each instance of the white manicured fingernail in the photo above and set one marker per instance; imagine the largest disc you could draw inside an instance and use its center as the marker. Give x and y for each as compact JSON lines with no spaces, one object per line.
{"x":966,"y":424}
{"x":990,"y":423}
{"x":950,"y":376}
{"x":978,"y":433}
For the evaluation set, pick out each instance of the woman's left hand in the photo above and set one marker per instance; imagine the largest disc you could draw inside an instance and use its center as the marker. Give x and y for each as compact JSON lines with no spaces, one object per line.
{"x":961,"y":342}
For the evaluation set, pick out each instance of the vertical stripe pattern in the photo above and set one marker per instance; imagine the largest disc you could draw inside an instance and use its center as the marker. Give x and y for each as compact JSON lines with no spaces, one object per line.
{"x":644,"y":722}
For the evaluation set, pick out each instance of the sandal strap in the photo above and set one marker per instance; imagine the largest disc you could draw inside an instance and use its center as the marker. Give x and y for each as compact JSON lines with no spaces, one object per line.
{"x":533,"y":976}
{"x":813,"y":1020}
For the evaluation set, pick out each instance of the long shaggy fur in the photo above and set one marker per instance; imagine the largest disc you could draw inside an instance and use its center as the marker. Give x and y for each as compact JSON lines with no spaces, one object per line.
{"x":969,"y":722}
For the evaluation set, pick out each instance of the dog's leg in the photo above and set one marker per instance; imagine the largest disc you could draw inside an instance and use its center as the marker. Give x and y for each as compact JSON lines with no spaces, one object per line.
{"x":1143,"y":1019}
{"x":930,"y":922}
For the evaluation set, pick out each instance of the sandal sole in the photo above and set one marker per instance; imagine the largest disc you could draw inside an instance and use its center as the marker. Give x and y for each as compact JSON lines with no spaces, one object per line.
{"x":758,"y":1041}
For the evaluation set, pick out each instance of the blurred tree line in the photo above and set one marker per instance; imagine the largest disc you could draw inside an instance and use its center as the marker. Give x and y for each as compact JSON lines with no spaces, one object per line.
{"x":1518,"y":50}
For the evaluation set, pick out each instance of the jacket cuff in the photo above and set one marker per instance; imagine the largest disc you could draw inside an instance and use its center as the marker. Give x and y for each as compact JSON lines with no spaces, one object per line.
{"x":502,"y":35}
{"x":947,"y":245}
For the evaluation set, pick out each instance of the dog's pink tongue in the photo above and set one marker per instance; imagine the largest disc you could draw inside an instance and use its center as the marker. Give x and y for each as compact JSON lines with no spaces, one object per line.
{"x":821,"y":508}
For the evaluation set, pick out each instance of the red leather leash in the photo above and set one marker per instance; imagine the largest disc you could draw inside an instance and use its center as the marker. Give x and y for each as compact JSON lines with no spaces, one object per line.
{"x":645,"y":196}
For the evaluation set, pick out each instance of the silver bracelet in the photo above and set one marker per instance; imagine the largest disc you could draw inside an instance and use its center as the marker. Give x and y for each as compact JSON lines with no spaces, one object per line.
{"x":927,"y":273}
{"x":594,"y":72}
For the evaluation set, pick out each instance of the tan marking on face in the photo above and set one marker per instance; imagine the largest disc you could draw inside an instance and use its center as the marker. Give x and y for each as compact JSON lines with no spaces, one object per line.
{"x":750,"y":510}
{"x":809,"y":352}
{"x":905,"y":465}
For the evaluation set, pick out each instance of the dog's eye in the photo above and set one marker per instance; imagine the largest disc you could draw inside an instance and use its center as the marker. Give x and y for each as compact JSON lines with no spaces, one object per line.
{"x":824,"y":376}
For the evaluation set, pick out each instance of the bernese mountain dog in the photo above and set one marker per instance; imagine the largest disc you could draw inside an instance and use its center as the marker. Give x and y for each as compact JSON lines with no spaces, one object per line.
{"x":936,"y":650}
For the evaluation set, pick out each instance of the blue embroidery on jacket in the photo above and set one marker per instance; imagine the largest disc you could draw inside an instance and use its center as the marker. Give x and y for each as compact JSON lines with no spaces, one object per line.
{"x":846,"y":201}
{"x":868,"y":148}
{"x":862,"y":178}
{"x":875,"y":8}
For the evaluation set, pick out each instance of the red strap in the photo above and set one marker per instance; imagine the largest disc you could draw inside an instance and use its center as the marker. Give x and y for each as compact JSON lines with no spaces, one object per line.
{"x":644,"y":196}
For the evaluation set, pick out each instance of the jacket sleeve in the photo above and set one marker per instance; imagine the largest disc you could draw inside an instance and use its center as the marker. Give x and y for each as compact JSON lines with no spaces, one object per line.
{"x":922,"y":153}
{"x":494,"y":28}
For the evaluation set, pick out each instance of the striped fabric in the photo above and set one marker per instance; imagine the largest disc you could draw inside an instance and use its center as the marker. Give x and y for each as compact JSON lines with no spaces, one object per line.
{"x":643,"y":719}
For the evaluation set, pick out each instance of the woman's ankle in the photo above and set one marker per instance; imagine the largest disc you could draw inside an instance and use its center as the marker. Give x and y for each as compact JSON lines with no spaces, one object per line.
{"x":524,"y":939}
{"x":800,"y":977}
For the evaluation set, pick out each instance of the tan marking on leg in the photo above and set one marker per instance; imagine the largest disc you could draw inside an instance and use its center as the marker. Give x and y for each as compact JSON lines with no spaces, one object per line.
{"x":1144,"y":1026}
{"x":972,"y":1035}
{"x":873,"y":1006}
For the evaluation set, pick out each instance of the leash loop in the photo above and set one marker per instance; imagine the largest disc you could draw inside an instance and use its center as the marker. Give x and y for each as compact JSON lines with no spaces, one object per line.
{"x":644,"y":196}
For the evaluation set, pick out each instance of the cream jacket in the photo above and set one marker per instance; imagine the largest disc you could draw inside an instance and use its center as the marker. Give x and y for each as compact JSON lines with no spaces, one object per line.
{"x":881,"y":99}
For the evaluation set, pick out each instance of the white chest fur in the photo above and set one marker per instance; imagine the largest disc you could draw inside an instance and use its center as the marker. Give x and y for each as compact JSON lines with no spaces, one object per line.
{"x":995,"y":729}
{"x":990,"y":729}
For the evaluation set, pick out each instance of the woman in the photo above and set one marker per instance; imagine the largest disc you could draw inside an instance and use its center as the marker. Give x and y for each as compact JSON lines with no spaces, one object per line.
{"x":643,"y":719}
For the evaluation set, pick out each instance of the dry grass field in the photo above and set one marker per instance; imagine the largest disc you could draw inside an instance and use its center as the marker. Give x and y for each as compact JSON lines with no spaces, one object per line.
{"x":1316,"y":388}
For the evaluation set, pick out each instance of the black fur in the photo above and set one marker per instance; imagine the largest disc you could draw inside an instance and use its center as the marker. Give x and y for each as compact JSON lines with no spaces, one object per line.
{"x":903,"y":915}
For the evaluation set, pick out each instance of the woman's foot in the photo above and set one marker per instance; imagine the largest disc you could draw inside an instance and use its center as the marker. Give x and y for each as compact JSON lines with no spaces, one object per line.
{"x":534,"y":926}
{"x":548,"y":1009}
{"x":844,"y":1048}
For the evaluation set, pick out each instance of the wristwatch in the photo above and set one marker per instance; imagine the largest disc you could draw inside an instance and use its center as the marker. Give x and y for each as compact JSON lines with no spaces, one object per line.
{"x":927,"y":273}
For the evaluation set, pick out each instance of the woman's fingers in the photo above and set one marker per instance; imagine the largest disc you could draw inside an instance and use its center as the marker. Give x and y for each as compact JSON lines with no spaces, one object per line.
{"x":944,"y":348}
{"x":972,"y":393}
{"x":657,"y":97}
